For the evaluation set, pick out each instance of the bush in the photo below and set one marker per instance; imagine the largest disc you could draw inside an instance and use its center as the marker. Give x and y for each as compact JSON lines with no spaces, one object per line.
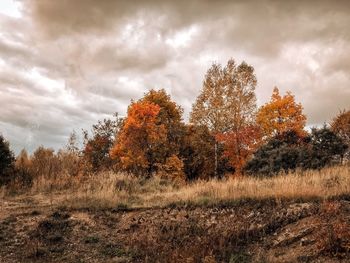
{"x":290,"y":151}
{"x":7,"y":160}
{"x":198,"y":154}
{"x":172,"y":169}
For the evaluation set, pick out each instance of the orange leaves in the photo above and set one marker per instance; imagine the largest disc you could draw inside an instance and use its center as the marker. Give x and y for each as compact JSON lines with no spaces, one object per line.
{"x":142,"y":118}
{"x":140,"y":134}
{"x":341,"y":125}
{"x":240,"y":145}
{"x":281,"y":114}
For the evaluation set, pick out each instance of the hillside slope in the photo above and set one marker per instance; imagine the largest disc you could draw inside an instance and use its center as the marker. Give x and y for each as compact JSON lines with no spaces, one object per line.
{"x":241,"y":231}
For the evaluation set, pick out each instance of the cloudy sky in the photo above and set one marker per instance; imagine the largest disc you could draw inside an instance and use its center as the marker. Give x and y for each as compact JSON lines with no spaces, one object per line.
{"x":66,"y":64}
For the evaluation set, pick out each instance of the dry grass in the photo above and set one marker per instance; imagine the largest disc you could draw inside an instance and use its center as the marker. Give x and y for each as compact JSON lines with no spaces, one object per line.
{"x":108,"y":190}
{"x":111,"y":190}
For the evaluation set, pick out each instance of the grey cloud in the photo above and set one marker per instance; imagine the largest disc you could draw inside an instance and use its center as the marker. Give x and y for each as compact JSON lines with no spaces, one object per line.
{"x":90,"y":58}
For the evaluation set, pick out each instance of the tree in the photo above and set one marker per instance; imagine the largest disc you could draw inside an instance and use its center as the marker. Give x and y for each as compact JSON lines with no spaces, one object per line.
{"x":23,"y":167}
{"x":283,"y":152}
{"x":97,"y":148}
{"x":341,"y":126}
{"x":281,"y":114}
{"x":170,"y":116}
{"x":197,"y":153}
{"x":72,"y":144}
{"x":173,"y":169}
{"x":70,"y":157}
{"x":290,"y":150}
{"x":45,"y":163}
{"x":140,"y":135}
{"x":240,"y":145}
{"x":227,"y":101}
{"x":7,"y":160}
{"x":327,"y":147}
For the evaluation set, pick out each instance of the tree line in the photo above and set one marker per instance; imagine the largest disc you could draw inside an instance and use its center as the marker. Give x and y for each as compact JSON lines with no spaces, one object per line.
{"x":227,"y":134}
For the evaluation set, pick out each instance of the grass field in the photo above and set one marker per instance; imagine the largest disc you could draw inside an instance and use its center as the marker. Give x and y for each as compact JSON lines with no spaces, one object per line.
{"x":107,"y":190}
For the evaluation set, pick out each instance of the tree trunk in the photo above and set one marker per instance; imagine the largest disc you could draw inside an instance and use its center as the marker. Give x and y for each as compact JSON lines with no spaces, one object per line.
{"x":216,"y":158}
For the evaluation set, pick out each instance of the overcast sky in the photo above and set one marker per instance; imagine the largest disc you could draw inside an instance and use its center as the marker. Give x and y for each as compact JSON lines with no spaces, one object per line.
{"x":66,"y":64}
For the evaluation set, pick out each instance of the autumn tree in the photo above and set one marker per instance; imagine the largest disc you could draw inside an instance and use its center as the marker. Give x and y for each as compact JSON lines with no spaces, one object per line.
{"x":197,"y":152}
{"x":173,"y":169}
{"x":23,"y":169}
{"x":341,"y":126}
{"x":240,"y":145}
{"x":281,"y":114}
{"x":97,"y":147}
{"x":72,"y":143}
{"x":7,"y":160}
{"x":44,"y":163}
{"x":170,"y":116}
{"x":141,"y":134}
{"x":227,"y":102}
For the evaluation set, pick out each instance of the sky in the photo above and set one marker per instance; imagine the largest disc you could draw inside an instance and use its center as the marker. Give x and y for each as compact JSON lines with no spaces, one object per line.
{"x":66,"y":64}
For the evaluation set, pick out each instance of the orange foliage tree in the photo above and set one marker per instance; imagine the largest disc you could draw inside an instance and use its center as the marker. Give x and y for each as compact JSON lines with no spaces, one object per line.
{"x":140,"y":135}
{"x":240,"y":145}
{"x":170,"y":115}
{"x":341,"y":126}
{"x":281,"y":114}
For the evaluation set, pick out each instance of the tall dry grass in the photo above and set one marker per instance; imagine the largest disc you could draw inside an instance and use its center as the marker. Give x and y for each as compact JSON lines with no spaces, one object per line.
{"x":108,"y":189}
{"x":111,"y":190}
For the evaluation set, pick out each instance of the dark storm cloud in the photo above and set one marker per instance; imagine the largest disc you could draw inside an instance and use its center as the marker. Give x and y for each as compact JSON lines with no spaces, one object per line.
{"x":65,"y":64}
{"x":260,"y":26}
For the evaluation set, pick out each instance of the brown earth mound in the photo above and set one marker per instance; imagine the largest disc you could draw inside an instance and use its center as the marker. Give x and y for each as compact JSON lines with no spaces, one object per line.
{"x":245,"y":231}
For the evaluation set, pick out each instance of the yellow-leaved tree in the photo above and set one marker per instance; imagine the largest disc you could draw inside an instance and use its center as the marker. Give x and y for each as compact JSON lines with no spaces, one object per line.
{"x":227,"y":102}
{"x":281,"y":114}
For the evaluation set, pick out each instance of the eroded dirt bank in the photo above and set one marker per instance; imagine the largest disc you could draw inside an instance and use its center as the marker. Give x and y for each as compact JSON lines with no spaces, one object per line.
{"x":246,"y":231}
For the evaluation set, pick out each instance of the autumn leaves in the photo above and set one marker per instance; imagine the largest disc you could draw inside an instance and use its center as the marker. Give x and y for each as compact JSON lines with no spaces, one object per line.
{"x":226,"y":135}
{"x":150,"y":138}
{"x":281,"y":114}
{"x":225,"y":128}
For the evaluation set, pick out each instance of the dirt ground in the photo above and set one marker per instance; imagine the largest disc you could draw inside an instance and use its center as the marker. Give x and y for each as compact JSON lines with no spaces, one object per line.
{"x":34,"y":230}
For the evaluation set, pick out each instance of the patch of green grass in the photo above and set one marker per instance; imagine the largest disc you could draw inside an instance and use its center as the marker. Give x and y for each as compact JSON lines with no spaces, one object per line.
{"x":112,"y":250}
{"x":240,"y":257}
{"x":91,"y":240}
{"x":121,"y":207}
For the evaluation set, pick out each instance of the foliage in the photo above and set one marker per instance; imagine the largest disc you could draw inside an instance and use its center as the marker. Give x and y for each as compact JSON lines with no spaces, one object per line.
{"x":140,"y":135}
{"x":23,"y":166}
{"x":227,"y":100}
{"x":173,"y":169}
{"x":45,"y":163}
{"x":290,"y":150}
{"x":170,"y":117}
{"x":197,"y":152}
{"x":327,"y":147}
{"x":282,"y":152}
{"x":96,"y":150}
{"x":341,"y":126}
{"x":70,"y":162}
{"x":7,"y":160}
{"x":281,"y":114}
{"x":239,"y":145}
